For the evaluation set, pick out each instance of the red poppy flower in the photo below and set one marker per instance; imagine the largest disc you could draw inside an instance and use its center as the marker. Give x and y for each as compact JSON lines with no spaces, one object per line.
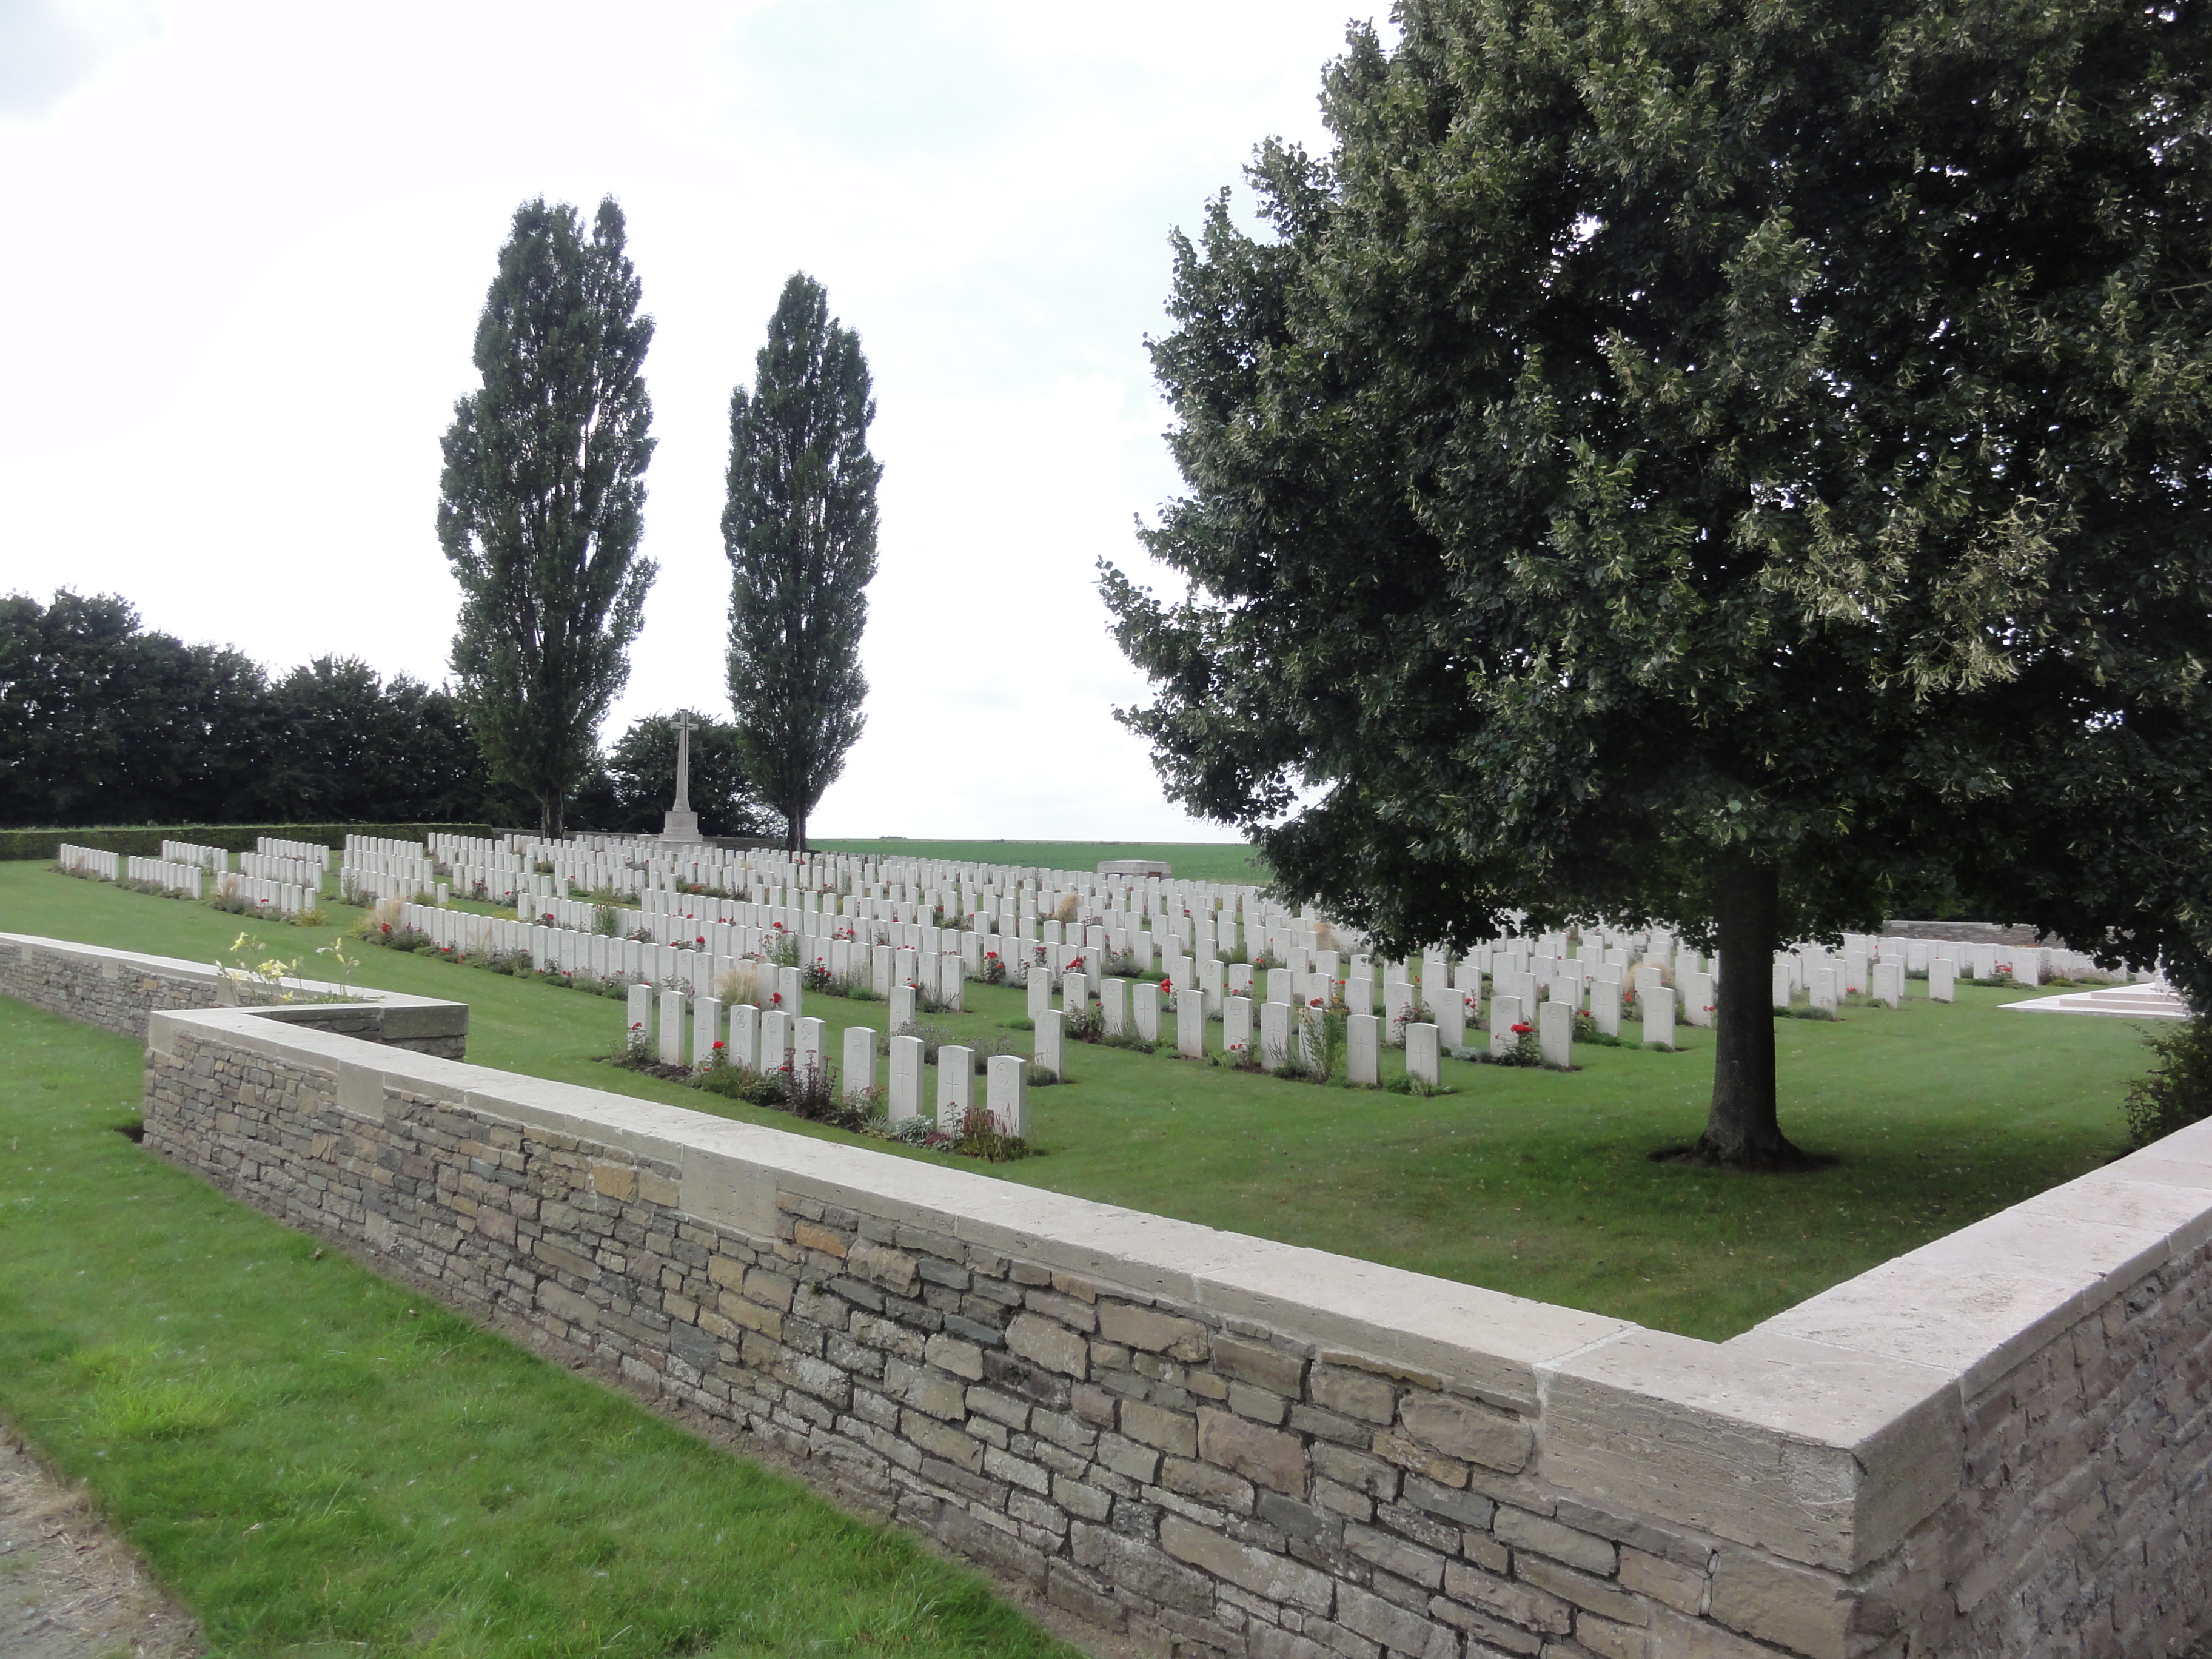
{"x":1523,"y":1030}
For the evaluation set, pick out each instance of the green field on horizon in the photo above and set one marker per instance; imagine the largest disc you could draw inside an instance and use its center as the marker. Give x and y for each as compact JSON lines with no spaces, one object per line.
{"x":1191,"y":861}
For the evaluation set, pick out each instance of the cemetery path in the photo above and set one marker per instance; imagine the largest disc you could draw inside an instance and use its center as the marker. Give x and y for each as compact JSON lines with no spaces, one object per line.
{"x":69,"y":1588}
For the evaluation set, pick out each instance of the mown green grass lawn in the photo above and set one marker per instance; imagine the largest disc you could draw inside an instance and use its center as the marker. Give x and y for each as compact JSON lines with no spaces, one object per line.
{"x":320,"y":1462}
{"x":1192,"y":860}
{"x":1532,"y":1182}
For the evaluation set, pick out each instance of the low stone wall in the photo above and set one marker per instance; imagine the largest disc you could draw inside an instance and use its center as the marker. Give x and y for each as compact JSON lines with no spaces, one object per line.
{"x":119,"y":990}
{"x":1998,"y":1444}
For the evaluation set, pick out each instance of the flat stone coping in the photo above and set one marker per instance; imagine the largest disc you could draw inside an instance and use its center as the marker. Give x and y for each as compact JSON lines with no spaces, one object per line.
{"x":1824,"y":1434}
{"x":2146,"y":1001}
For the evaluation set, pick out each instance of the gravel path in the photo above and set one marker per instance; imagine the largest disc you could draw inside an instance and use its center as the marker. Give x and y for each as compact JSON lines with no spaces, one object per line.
{"x":69,"y":1588}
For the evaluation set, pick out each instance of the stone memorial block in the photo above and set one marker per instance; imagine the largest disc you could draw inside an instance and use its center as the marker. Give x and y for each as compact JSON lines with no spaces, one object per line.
{"x":1504,"y":1015}
{"x":1114,"y":1006}
{"x":860,"y":1067}
{"x":1236,"y":1025}
{"x":1888,"y":980}
{"x":1555,"y":1034}
{"x":1007,"y":1094}
{"x":955,"y":1086}
{"x":746,"y":1036}
{"x":672,"y":1027}
{"x":1144,"y":1009}
{"x":706,"y":1030}
{"x":1421,"y":1046}
{"x":1363,"y":1057}
{"x":1943,"y":980}
{"x":1190,"y":1025}
{"x":904,"y":1093}
{"x":1274,"y":1034}
{"x":1659,"y":1014}
{"x":903,"y":1004}
{"x":1050,"y":1049}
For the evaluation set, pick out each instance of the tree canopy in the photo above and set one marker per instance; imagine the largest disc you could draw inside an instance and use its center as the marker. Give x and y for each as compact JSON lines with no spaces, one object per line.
{"x":1719,"y":464}
{"x":103,"y":721}
{"x":800,"y":530}
{"x":543,"y":499}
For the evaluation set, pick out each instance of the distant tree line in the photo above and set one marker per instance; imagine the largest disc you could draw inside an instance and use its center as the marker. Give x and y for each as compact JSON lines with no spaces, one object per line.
{"x":103,"y":721}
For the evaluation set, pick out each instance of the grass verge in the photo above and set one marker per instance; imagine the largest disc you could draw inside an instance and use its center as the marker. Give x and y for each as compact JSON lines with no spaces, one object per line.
{"x":312,"y":1457}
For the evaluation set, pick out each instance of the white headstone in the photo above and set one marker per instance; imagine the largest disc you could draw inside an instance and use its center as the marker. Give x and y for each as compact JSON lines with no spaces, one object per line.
{"x":638,"y":1022}
{"x":1190,"y":1024}
{"x":1007,"y":1094}
{"x":744,"y":1037}
{"x":1697,"y":989}
{"x":1555,"y":1035}
{"x":953,"y":981}
{"x":672,"y":1027}
{"x":1943,"y":980}
{"x":902,"y":1007}
{"x":1363,"y":1059}
{"x":906,"y":1077}
{"x":706,"y":1030}
{"x":1051,"y":1041}
{"x":1658,"y":1015}
{"x":1236,"y":1025}
{"x":956,"y":1087}
{"x":1274,"y":1034}
{"x":807,"y":1045}
{"x":861,"y":1061}
{"x":1114,"y":1006}
{"x":1421,"y":1053}
{"x":1888,"y":980}
{"x":775,"y":1040}
{"x":1823,"y":989}
{"x":1040,"y":993}
{"x":1144,"y":1009}
{"x":1504,"y":1015}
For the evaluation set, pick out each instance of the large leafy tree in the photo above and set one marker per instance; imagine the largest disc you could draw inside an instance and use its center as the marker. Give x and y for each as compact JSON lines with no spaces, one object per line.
{"x":103,"y":721}
{"x":800,"y":530}
{"x":543,"y":499}
{"x":347,"y":747}
{"x":1722,"y":462}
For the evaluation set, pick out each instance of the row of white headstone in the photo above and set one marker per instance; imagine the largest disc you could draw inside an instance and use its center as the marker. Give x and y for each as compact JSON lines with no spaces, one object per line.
{"x":768,"y":1041}
{"x":168,"y":874}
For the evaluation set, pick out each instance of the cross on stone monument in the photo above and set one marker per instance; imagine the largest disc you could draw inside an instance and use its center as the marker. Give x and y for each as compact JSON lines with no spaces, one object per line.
{"x":681,"y":822}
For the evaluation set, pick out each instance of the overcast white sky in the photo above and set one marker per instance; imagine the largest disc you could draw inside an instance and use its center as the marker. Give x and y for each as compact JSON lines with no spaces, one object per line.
{"x":249,"y":243}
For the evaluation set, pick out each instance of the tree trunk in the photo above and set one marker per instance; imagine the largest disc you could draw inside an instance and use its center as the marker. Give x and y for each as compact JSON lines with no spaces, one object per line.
{"x":549,"y":816}
{"x":1742,"y":1130}
{"x":795,"y":838}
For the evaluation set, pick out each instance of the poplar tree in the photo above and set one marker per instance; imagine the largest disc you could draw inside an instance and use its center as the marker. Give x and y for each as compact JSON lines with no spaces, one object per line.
{"x":543,"y":500}
{"x":1724,"y":463}
{"x":801,"y":531}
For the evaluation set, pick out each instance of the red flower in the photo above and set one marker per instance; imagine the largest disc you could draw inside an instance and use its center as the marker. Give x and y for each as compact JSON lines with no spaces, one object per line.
{"x":1523,"y":1030}
{"x":775,"y":996}
{"x":1167,"y":988}
{"x":721,"y":1045}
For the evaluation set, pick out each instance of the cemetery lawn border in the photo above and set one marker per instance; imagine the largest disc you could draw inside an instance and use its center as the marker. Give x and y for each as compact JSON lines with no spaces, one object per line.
{"x":308,"y":1454}
{"x":1529,"y":1182}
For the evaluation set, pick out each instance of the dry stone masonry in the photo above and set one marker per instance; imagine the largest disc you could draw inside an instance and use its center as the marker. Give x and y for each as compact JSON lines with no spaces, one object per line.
{"x":1996,"y":1445}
